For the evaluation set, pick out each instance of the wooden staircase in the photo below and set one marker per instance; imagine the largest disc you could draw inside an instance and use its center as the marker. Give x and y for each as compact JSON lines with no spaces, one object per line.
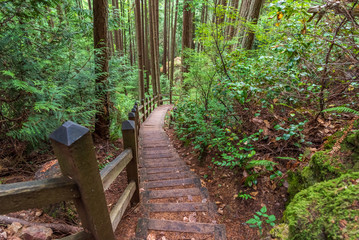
{"x":174,"y":202}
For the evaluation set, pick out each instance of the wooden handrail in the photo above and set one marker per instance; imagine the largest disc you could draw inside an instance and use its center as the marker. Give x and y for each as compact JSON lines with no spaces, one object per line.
{"x":120,"y":207}
{"x":32,"y":194}
{"x":82,"y":182}
{"x":114,"y":168}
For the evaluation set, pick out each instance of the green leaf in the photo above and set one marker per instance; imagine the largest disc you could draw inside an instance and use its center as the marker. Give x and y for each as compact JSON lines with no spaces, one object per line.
{"x":264,"y":209}
{"x":271,"y":218}
{"x":252,"y":221}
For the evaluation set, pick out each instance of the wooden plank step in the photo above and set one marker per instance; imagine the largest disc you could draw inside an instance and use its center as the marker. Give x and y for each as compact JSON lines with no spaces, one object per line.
{"x":172,"y":183}
{"x":162,"y":164}
{"x":145,"y":224}
{"x":157,"y":155}
{"x":176,"y":207}
{"x":164,"y":170}
{"x":165,"y":176}
{"x":173,"y":193}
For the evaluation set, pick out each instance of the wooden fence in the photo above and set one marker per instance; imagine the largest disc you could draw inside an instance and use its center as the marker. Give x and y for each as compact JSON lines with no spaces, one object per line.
{"x":82,"y":182}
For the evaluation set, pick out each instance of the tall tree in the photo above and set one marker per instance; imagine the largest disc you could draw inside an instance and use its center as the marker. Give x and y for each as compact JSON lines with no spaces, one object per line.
{"x":173,"y":47}
{"x":186,"y":32}
{"x":100,"y":23}
{"x":253,"y":15}
{"x":139,"y":39}
{"x":164,"y":60}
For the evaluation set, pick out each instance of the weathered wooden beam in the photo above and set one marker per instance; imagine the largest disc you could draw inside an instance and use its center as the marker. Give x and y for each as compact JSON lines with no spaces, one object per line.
{"x":120,"y":207}
{"x":114,"y":168}
{"x":75,"y":152}
{"x":33,"y":194}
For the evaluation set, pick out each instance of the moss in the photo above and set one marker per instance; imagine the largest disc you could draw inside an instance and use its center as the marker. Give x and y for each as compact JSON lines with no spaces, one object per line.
{"x":326,"y":210}
{"x":280,"y":232}
{"x":321,"y":167}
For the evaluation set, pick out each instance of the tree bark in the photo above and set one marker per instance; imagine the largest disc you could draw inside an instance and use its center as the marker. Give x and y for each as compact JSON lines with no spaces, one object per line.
{"x":90,"y":7}
{"x":186,"y":33}
{"x":146,"y":51}
{"x":173,"y":47}
{"x":253,"y":15}
{"x":139,"y":39}
{"x":100,"y":13}
{"x":164,"y":59}
{"x":152,"y":47}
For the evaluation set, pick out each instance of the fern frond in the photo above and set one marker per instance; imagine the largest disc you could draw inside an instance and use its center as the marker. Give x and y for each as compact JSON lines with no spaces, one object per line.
{"x":341,"y":109}
{"x":257,"y":163}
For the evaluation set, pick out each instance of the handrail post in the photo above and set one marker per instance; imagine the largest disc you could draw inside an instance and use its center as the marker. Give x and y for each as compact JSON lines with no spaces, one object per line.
{"x":73,"y":146}
{"x":143,"y":110}
{"x":150,"y":105}
{"x":130,"y":141}
{"x":138,"y":122}
{"x":147,"y":111}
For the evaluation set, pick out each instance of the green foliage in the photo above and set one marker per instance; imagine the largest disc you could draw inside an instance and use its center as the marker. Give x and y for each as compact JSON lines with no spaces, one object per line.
{"x":244,"y":196}
{"x":342,"y":109}
{"x":261,"y":217}
{"x":326,"y":210}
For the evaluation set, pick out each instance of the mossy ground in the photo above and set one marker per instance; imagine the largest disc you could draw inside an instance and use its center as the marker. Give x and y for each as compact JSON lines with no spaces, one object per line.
{"x":326,"y":210}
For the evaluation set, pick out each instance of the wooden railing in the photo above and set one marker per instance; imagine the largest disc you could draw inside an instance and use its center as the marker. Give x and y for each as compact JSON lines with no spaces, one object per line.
{"x":82,"y":182}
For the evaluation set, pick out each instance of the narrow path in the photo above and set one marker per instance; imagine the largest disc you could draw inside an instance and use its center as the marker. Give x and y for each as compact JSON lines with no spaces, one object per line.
{"x":174,"y":202}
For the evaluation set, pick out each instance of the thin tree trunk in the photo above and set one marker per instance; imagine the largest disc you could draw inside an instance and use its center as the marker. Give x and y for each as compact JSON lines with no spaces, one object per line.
{"x":130,"y":39}
{"x":100,"y":13}
{"x":152,"y":47}
{"x":164,"y":60}
{"x":232,"y":29}
{"x":139,"y":39}
{"x":173,"y":45}
{"x":111,"y":44}
{"x":90,"y":6}
{"x":146,"y":51}
{"x":186,"y":33}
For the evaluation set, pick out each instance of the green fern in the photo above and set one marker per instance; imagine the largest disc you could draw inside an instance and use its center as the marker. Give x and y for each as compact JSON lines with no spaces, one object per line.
{"x":341,"y":109}
{"x":256,"y":163}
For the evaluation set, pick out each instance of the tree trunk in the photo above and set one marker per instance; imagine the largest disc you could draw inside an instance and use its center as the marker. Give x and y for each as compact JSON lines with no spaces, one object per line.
{"x":173,"y":45}
{"x":253,"y":15}
{"x":152,"y":47}
{"x":164,"y":59}
{"x":232,"y":29}
{"x":90,"y":7}
{"x":186,"y":33}
{"x":146,"y":51}
{"x":100,"y":14}
{"x":139,"y":39}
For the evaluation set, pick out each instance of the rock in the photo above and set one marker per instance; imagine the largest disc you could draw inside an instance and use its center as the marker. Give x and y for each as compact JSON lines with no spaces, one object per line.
{"x":151,"y":237}
{"x":48,"y":170}
{"x":220,"y":211}
{"x":15,"y":227}
{"x":3,"y":235}
{"x":38,"y":213}
{"x":36,"y":233}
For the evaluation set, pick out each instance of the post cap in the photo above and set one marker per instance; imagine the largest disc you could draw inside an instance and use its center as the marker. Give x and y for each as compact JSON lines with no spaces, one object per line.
{"x":68,"y":133}
{"x":131,"y":114}
{"x":128,"y":125}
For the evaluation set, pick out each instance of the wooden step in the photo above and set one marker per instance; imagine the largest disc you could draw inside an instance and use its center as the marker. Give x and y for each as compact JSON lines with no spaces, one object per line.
{"x":171,"y":183}
{"x":162,"y":164}
{"x":166,"y":176}
{"x":152,"y":194}
{"x":164,"y":170}
{"x":176,"y":207}
{"x":145,"y":224}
